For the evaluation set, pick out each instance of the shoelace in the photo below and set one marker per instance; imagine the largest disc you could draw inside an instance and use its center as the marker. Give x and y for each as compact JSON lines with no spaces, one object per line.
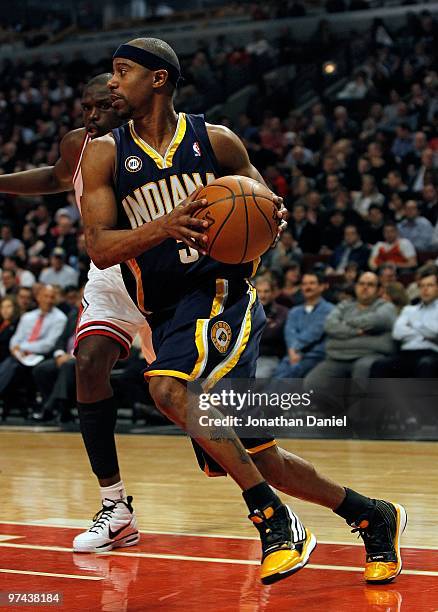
{"x":272,"y":529}
{"x":104,"y":515}
{"x":372,"y":539}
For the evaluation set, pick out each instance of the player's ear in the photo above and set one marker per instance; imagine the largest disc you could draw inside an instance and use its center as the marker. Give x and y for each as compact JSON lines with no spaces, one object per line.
{"x":160,"y":78}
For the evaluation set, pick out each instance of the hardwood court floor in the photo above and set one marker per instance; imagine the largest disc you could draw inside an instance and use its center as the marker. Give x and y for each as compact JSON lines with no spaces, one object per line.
{"x":198,"y":551}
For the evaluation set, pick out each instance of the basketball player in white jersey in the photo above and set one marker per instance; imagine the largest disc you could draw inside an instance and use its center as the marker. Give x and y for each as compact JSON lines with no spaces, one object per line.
{"x":107,"y":326}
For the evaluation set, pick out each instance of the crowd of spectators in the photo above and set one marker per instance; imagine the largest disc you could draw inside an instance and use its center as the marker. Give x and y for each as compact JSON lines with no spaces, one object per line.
{"x":358,"y":174}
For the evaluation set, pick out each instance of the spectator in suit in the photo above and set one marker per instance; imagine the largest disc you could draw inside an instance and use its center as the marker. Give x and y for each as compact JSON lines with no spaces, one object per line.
{"x":305,"y":233}
{"x":351,"y":250}
{"x":373,"y":229}
{"x":35,"y":337}
{"x":272,"y":345}
{"x":412,"y":161}
{"x":429,"y":204}
{"x":24,"y":299}
{"x":9,"y":315}
{"x":427,"y":165}
{"x":416,"y":328}
{"x":304,"y":330}
{"x":358,"y":333}
{"x":333,"y":231}
{"x":55,"y":377}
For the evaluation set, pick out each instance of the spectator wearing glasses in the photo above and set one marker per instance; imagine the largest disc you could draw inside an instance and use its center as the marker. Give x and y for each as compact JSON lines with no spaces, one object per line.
{"x":358,"y":332}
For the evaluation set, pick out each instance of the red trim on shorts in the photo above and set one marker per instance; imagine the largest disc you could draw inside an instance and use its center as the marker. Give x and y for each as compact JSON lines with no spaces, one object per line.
{"x":106,"y":324}
{"x":102,"y":332}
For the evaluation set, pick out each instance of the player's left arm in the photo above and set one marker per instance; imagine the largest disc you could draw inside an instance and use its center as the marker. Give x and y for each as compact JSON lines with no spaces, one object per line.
{"x":233,"y":158}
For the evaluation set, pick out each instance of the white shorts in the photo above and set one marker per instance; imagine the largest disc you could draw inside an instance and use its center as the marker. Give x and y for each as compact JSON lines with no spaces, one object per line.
{"x":109,"y":311}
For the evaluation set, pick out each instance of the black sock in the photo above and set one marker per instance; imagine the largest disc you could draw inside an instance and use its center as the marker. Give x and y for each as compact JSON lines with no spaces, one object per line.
{"x":354,"y":506}
{"x":98,"y":421}
{"x":260,"y":497}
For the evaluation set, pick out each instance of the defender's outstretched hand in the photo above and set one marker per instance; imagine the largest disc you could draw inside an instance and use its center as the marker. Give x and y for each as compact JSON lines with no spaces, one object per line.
{"x":282,"y":223}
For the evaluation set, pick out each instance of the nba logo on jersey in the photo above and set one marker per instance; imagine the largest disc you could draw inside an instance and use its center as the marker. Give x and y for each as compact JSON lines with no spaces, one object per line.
{"x":133,"y":163}
{"x":196,"y":149}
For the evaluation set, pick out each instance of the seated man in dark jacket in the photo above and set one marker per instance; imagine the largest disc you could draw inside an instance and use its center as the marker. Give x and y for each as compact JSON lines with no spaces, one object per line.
{"x":352,"y":249}
{"x":55,"y":377}
{"x":272,"y":346}
{"x":306,"y":233}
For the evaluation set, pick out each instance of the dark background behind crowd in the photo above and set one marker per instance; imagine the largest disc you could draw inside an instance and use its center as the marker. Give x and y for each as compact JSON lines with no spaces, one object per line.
{"x":358,"y":171}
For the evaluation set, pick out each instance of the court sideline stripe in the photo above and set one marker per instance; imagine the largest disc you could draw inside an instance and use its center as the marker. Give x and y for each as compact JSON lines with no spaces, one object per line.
{"x":200,"y":535}
{"x":48,"y":574}
{"x":343,"y":568}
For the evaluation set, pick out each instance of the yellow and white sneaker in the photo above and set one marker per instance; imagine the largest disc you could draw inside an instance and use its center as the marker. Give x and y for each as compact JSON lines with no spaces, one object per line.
{"x":286,"y":543}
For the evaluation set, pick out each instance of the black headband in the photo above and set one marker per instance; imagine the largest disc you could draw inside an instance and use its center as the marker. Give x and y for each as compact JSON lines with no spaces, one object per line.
{"x":148,"y":60}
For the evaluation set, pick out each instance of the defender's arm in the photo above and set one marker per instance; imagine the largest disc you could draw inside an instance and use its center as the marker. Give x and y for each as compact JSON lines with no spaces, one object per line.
{"x":51,"y":179}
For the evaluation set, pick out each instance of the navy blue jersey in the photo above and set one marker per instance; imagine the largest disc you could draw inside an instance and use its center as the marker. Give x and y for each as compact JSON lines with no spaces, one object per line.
{"x":148,"y":186}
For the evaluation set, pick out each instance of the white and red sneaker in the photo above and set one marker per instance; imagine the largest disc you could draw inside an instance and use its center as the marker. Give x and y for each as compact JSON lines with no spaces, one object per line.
{"x":114,"y":526}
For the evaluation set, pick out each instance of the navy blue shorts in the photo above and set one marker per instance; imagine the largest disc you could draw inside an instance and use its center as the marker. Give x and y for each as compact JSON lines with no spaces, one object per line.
{"x":214,"y":332}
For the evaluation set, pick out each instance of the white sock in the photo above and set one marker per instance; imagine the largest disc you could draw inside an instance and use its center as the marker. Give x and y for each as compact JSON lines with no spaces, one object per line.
{"x":113,"y":492}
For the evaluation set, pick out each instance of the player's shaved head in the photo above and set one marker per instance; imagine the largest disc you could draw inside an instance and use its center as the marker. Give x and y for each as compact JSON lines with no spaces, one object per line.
{"x":158,"y":47}
{"x":98,"y":80}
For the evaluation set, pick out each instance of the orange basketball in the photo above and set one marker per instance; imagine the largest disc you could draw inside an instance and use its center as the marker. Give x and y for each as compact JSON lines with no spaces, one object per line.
{"x":244,"y":219}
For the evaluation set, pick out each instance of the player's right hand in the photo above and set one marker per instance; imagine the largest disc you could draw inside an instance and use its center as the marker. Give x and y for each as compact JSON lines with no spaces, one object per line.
{"x":181,"y":225}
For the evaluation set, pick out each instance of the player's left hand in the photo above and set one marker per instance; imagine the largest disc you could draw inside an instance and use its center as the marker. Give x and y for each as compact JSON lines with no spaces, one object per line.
{"x":281,"y":214}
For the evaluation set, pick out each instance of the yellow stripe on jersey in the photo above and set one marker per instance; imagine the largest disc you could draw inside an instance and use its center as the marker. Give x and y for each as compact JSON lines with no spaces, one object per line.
{"x":255,"y":265}
{"x":133,"y":266}
{"x":201,"y":337}
{"x":176,"y":141}
{"x":220,"y":298}
{"x":173,"y":373}
{"x":167,"y":160}
{"x":228,"y":364}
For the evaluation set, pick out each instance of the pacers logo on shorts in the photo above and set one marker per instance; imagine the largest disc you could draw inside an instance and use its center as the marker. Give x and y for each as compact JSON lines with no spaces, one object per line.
{"x":133,"y":163}
{"x":221,"y":336}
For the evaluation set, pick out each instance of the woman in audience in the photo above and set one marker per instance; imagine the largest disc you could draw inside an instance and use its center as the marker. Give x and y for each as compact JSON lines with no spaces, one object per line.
{"x":9,"y":315}
{"x":396,"y":293}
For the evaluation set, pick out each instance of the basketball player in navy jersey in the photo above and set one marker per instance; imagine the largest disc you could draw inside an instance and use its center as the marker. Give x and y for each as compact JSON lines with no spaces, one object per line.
{"x":107,"y":325}
{"x":139,"y":200}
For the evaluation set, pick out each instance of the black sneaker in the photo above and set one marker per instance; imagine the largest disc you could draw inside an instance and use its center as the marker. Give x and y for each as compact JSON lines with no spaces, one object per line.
{"x":381,"y":532}
{"x":286,"y":543}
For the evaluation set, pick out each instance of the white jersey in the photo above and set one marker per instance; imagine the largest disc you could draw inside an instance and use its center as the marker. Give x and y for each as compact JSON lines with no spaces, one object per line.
{"x":78,"y":183}
{"x":78,"y":186}
{"x":107,"y":307}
